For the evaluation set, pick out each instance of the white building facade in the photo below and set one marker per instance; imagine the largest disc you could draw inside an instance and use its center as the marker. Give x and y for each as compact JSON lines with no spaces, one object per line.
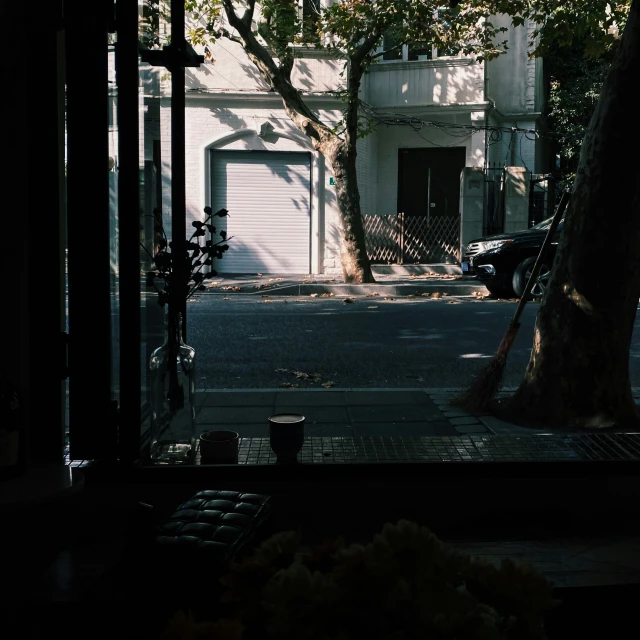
{"x":442,"y":122}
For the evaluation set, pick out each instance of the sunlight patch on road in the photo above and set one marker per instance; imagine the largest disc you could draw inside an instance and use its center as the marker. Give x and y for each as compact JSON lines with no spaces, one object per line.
{"x":475,"y":355}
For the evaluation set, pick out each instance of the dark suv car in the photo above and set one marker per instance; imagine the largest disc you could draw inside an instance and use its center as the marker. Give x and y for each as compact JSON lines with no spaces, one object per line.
{"x":503,"y":263}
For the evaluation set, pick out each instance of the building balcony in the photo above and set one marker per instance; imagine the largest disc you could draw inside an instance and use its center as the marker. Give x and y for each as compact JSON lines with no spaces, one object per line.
{"x":451,"y":82}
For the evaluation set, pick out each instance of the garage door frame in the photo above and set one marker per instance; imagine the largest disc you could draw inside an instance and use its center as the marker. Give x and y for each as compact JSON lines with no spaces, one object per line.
{"x":312,"y":194}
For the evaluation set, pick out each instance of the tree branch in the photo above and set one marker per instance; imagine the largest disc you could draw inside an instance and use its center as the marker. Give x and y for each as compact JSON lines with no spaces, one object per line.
{"x":279,"y":79}
{"x":248,"y":14}
{"x":377,"y":55}
{"x":363,"y":50}
{"x":226,"y":34}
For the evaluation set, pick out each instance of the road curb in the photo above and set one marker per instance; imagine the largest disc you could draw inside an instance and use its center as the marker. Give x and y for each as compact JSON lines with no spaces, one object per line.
{"x":345,"y":290}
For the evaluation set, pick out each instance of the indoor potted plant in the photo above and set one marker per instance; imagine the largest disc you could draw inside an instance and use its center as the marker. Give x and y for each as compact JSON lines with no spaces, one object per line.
{"x":172,"y":365}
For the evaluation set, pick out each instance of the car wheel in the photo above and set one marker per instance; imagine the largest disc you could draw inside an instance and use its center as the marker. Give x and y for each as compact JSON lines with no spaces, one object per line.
{"x":523,"y":272}
{"x":499,"y":292}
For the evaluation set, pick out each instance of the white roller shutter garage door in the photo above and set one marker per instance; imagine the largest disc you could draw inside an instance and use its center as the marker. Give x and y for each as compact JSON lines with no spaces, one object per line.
{"x":268,"y":196}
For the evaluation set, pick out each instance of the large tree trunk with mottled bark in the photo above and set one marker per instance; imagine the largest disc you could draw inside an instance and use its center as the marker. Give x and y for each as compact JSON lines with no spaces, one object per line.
{"x":578,"y":373}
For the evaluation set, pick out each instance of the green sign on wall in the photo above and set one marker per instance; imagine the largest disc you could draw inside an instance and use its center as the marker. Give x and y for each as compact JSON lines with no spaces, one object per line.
{"x":332,"y":181}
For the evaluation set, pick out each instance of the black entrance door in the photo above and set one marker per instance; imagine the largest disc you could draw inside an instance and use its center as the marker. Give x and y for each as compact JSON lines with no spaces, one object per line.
{"x":428,"y":204}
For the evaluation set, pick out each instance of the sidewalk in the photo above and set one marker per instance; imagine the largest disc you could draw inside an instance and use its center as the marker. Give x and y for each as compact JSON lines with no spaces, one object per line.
{"x":391,"y":280}
{"x":348,"y":412}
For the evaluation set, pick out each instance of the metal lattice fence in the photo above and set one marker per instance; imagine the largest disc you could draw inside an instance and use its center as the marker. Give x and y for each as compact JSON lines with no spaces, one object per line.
{"x":382,"y":234}
{"x":400,"y":239}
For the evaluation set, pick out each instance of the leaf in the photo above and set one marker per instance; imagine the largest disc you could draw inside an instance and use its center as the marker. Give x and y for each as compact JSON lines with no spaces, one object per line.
{"x":372,"y":307}
{"x":197,"y":224}
{"x":328,"y":384}
{"x":281,"y":370}
{"x":313,"y":295}
{"x":348,"y":301}
{"x":289,"y":385}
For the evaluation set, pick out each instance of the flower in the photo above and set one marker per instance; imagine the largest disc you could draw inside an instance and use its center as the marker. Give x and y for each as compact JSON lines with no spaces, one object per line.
{"x":165,"y":278}
{"x":404,"y":584}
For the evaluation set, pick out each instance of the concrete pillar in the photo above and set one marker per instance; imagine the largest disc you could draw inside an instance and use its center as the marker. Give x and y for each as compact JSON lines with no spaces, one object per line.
{"x":516,"y":201}
{"x":471,"y":205}
{"x":478,"y":140}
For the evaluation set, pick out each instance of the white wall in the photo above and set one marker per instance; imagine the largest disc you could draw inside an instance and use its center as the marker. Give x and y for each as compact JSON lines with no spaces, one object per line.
{"x":207,"y":121}
{"x":431,"y":82}
{"x":232,"y":70}
{"x":366,"y":166}
{"x":392,"y":138}
{"x":513,"y":79}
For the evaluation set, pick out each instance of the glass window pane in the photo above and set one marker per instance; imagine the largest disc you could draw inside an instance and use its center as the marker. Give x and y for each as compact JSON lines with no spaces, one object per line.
{"x":420,"y":51}
{"x":392,"y":48}
{"x":155,"y":188}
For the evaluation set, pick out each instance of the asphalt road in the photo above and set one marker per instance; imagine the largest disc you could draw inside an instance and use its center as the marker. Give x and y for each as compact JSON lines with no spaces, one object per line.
{"x":245,"y":342}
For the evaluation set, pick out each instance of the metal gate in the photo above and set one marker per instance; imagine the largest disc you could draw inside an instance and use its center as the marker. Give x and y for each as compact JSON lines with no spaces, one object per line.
{"x":494,"y":181}
{"x":541,"y":191}
{"x":401,"y":239}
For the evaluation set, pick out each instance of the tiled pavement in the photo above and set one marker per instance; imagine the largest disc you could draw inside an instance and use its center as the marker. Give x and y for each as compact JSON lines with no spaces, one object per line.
{"x":389,"y":424}
{"x":347,"y":412}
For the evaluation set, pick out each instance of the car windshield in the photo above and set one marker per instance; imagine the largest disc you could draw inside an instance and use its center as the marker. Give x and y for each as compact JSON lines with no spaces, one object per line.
{"x":545,"y":224}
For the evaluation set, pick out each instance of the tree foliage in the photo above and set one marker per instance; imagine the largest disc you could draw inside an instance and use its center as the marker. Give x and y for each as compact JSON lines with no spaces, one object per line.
{"x":575,"y":83}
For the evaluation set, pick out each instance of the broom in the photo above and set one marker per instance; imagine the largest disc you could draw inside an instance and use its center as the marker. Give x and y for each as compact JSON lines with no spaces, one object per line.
{"x":487,"y":383}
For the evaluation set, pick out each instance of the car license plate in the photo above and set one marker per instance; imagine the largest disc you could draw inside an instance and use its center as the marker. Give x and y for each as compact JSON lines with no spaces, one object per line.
{"x":465,"y":267}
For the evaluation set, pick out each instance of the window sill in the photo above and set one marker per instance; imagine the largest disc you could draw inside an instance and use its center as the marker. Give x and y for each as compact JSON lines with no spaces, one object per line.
{"x":438,"y":63}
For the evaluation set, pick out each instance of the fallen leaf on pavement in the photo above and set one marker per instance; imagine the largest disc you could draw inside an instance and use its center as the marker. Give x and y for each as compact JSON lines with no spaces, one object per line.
{"x":192,"y":300}
{"x":327,"y":295}
{"x":411,"y":295}
{"x":288,"y":385}
{"x":306,"y":376}
{"x":279,"y":278}
{"x":421,"y":380}
{"x":426,"y":295}
{"x":374,"y":307}
{"x":453,"y":302}
{"x":267,"y":300}
{"x":437,"y":294}
{"x":372,"y":295}
{"x":348,"y":301}
{"x":281,"y":370}
{"x":226,"y":298}
{"x":327,"y":384}
{"x":259,"y":275}
{"x":387,"y":298}
{"x":445,"y":294}
{"x":231,"y":288}
{"x":313,"y":295}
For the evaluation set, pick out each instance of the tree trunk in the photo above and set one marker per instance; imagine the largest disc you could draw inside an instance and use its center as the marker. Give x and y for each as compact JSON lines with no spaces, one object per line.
{"x":578,"y":373}
{"x":356,"y":267}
